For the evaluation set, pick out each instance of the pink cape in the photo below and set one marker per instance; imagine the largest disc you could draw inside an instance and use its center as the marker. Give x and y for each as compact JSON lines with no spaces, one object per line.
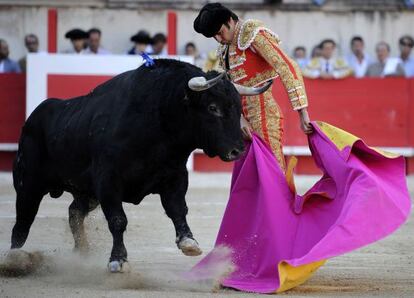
{"x":361,"y":198}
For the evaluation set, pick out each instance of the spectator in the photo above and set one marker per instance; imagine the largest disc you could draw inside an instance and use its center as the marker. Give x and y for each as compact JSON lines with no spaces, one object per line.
{"x":385,"y":66}
{"x":142,"y":39}
{"x":326,"y":66}
{"x":358,"y":60}
{"x":158,"y":45}
{"x":78,"y":38}
{"x":6,"y":64}
{"x":191,"y":50}
{"x":94,"y":43}
{"x":316,"y":51}
{"x":32,"y":45}
{"x":299,"y":55}
{"x":406,"y":45}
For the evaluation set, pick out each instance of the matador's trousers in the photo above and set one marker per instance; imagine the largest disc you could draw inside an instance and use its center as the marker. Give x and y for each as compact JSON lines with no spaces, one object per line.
{"x":266,"y":119}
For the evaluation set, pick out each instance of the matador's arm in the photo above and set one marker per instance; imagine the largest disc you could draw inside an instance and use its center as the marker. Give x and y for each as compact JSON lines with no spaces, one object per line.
{"x":267,"y":46}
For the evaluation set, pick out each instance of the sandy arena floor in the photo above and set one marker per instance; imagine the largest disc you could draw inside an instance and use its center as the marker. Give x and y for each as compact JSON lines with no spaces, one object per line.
{"x":384,"y":269}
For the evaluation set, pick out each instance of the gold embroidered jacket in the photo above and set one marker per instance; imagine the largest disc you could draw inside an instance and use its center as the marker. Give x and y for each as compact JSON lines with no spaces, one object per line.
{"x":254,"y":57}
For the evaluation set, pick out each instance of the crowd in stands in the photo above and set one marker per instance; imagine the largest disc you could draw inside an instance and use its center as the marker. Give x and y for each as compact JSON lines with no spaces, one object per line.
{"x":84,"y":43}
{"x":323,"y":62}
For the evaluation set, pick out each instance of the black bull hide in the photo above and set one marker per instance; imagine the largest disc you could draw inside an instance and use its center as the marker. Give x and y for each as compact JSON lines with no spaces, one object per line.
{"x":129,"y":137}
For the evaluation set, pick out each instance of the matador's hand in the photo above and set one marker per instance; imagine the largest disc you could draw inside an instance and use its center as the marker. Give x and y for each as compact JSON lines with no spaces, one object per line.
{"x":305,"y":121}
{"x":246,"y":129}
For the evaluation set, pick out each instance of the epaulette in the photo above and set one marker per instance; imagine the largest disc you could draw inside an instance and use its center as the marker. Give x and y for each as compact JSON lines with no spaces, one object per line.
{"x":248,"y":32}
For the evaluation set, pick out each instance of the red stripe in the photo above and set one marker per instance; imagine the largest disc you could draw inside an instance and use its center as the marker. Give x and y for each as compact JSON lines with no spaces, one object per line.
{"x":263,"y":118}
{"x":52,"y":30}
{"x":172,"y":33}
{"x":292,"y":69}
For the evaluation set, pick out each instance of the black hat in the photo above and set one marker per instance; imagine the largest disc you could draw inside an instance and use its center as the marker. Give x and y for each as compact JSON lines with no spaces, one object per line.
{"x":210,"y":19}
{"x":75,"y":34}
{"x":141,"y":37}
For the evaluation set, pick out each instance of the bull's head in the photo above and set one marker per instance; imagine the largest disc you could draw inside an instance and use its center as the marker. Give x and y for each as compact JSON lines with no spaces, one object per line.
{"x":216,"y":109}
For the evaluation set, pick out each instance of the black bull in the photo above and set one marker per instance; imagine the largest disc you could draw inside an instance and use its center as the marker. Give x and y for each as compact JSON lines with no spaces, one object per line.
{"x":128,"y":138}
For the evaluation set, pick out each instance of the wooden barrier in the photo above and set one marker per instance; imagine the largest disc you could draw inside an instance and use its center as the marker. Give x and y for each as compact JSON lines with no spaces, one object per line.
{"x":377,"y":110}
{"x":12,"y":106}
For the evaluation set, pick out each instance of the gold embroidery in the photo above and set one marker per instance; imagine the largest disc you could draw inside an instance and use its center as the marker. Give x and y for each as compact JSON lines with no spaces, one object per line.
{"x":221,"y":50}
{"x":260,"y":78}
{"x":262,"y":111}
{"x":267,"y":46}
{"x":237,"y":74}
{"x":273,"y":123}
{"x":236,"y":60}
{"x":248,"y":31}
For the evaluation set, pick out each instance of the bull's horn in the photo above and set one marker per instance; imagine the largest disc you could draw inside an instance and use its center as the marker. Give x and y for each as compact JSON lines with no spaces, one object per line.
{"x":200,"y":83}
{"x":249,"y":91}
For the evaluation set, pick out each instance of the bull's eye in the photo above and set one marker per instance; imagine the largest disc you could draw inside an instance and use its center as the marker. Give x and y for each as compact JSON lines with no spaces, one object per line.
{"x":214,"y":109}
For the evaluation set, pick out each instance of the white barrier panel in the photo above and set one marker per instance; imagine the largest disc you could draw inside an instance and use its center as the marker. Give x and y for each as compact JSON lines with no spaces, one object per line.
{"x":39,"y":66}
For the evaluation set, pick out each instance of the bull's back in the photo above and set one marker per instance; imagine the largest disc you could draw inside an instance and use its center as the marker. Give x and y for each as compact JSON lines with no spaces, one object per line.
{"x":66,"y":131}
{"x":58,"y":127}
{"x":37,"y":124}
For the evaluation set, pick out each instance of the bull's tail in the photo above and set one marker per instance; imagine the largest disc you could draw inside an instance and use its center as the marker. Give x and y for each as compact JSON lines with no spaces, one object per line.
{"x":29,"y":154}
{"x":29,"y":188}
{"x":29,"y":176}
{"x":32,"y":151}
{"x":19,"y":165}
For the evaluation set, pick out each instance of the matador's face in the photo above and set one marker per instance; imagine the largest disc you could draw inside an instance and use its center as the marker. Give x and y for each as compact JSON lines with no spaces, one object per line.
{"x":226,"y":33}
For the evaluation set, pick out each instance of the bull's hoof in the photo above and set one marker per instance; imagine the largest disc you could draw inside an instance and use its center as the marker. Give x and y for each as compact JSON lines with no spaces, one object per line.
{"x":119,"y":267}
{"x":189,"y":247}
{"x":82,"y":249}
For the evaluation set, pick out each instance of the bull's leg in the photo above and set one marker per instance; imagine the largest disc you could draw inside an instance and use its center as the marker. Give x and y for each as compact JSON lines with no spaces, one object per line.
{"x":111,"y":202}
{"x":26,"y":210}
{"x":117,"y":223}
{"x":78,"y":210}
{"x":173,"y":201}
